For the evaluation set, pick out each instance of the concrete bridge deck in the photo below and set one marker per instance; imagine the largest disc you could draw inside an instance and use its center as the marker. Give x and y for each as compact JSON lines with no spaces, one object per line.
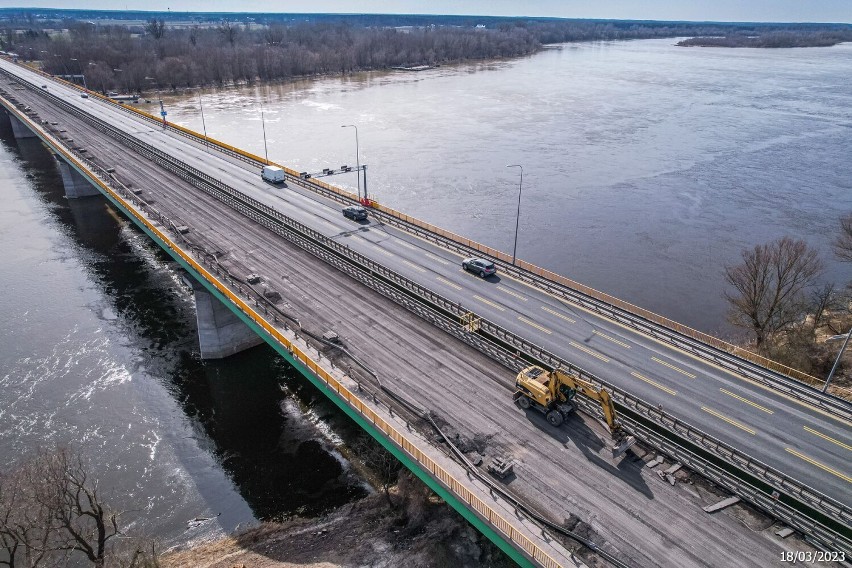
{"x":560,"y":471}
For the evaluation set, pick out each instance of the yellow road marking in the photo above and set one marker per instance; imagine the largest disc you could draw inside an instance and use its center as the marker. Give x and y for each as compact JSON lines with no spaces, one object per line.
{"x":819,"y":465}
{"x":535,"y":325}
{"x":557,"y":314}
{"x":437,"y":258}
{"x":614,"y":340}
{"x":490,"y":303}
{"x":448,"y":283}
{"x":829,"y":438}
{"x":730,"y":421}
{"x":511,"y":293}
{"x":670,"y":366}
{"x":383,"y":251}
{"x":654,"y":383}
{"x":747,"y":401}
{"x":589,"y":351}
{"x":665,"y":345}
{"x":414,"y":266}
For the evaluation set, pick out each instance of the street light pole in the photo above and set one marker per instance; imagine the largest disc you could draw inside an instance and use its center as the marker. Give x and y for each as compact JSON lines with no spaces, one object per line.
{"x":163,"y":112}
{"x":837,"y":361}
{"x":124,"y":79}
{"x":357,"y":160}
{"x":204,"y":124}
{"x":62,"y":59}
{"x":518,"y":217}
{"x":263,"y":124}
{"x":80,"y":65}
{"x":103,"y":84}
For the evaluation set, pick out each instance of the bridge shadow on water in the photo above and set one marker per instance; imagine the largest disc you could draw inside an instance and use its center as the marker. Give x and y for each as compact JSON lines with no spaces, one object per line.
{"x":575,"y":432}
{"x":260,"y":419}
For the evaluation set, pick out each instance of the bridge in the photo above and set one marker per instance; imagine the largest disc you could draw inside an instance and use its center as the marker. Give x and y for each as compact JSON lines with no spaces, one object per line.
{"x":382,"y":319}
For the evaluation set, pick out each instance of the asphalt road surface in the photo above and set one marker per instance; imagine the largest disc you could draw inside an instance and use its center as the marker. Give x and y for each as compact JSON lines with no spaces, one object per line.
{"x":797,"y":439}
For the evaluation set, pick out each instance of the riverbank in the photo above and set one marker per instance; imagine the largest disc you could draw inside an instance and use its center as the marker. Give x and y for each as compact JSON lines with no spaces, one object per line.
{"x":772,"y":40}
{"x":421,"y":530}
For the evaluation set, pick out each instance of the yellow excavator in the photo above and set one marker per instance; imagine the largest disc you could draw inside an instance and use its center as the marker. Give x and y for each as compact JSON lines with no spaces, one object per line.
{"x":552,"y":393}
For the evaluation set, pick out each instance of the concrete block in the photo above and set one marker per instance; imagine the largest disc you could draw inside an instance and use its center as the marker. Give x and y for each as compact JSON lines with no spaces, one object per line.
{"x":75,"y":184}
{"x":19,"y":129}
{"x":655,"y":462}
{"x":784,"y":532}
{"x":721,"y":504}
{"x":220,"y":332}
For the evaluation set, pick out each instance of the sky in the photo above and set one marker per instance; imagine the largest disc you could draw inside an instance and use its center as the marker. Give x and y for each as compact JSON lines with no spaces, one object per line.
{"x":694,"y":10}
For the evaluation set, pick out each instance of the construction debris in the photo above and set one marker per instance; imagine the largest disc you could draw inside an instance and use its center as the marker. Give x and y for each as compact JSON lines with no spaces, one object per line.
{"x":721,"y":505}
{"x":668,"y":475}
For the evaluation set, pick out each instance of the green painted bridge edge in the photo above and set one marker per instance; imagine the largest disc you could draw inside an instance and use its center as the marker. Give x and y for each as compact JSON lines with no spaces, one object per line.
{"x":472,"y":517}
{"x":423,"y":475}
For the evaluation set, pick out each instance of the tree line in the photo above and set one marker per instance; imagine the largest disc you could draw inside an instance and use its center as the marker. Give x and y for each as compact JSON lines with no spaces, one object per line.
{"x":777,"y":295}
{"x":159,"y":54}
{"x":773,"y":39}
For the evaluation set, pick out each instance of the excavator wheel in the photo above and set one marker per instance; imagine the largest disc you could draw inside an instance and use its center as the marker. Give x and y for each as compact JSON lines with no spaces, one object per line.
{"x":524,"y":402}
{"x":555,"y":418}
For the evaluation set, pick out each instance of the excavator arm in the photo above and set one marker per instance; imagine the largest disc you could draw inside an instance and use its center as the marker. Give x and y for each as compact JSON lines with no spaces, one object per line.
{"x":550,"y":391}
{"x":599,"y":395}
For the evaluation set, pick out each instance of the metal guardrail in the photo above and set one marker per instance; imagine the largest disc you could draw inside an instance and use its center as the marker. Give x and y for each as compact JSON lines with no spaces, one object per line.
{"x":301,"y":355}
{"x":450,"y":313}
{"x":727,"y":355}
{"x":730,"y":356}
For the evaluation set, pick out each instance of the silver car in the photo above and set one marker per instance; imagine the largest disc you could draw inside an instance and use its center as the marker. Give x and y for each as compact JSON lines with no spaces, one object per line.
{"x":479,"y":266}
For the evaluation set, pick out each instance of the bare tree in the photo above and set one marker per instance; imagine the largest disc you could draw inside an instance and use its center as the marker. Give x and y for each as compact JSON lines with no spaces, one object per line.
{"x":769,"y":286}
{"x":843,"y":243}
{"x":274,"y":34}
{"x":823,"y":302}
{"x":155,"y":27}
{"x":10,"y":539}
{"x":229,"y":31}
{"x":381,"y":462}
{"x":85,"y":522}
{"x":27,"y":527}
{"x":50,"y":509}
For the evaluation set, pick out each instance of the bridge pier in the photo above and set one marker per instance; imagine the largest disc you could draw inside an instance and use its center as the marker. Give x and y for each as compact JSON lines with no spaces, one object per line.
{"x":220,"y":332}
{"x":76,"y":185}
{"x":19,"y":129}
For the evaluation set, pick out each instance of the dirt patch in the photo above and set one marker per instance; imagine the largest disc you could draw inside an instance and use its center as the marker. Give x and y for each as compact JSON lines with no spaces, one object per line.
{"x":419,"y":531}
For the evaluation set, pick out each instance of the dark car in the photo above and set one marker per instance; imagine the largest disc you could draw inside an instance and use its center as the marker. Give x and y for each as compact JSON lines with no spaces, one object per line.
{"x":479,"y":266}
{"x":355,"y":213}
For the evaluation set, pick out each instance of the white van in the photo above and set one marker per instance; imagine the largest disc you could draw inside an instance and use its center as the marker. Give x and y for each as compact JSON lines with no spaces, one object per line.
{"x":272,"y":174}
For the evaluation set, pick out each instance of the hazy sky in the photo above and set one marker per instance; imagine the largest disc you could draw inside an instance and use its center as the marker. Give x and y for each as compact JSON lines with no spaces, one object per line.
{"x":717,"y":10}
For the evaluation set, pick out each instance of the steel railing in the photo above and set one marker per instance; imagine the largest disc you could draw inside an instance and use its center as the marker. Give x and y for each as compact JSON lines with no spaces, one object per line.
{"x":301,"y":354}
{"x":510,"y":349}
{"x":732,"y":357}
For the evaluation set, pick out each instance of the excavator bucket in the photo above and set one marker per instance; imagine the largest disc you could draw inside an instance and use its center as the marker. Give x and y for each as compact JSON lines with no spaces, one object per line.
{"x":622,"y":446}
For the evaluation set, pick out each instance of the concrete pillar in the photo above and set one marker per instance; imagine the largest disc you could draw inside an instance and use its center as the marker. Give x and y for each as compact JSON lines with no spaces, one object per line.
{"x":75,"y":184}
{"x":220,"y":332}
{"x":19,"y":129}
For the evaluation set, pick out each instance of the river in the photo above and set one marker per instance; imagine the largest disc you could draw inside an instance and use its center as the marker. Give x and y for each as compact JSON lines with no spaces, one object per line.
{"x":647,"y":167}
{"x":98,"y":349}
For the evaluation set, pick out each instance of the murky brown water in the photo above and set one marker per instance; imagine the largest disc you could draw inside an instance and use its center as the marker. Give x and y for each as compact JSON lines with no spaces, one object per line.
{"x":647,"y":167}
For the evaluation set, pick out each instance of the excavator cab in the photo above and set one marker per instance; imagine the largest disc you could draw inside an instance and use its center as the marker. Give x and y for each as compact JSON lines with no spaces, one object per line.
{"x":552,"y":393}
